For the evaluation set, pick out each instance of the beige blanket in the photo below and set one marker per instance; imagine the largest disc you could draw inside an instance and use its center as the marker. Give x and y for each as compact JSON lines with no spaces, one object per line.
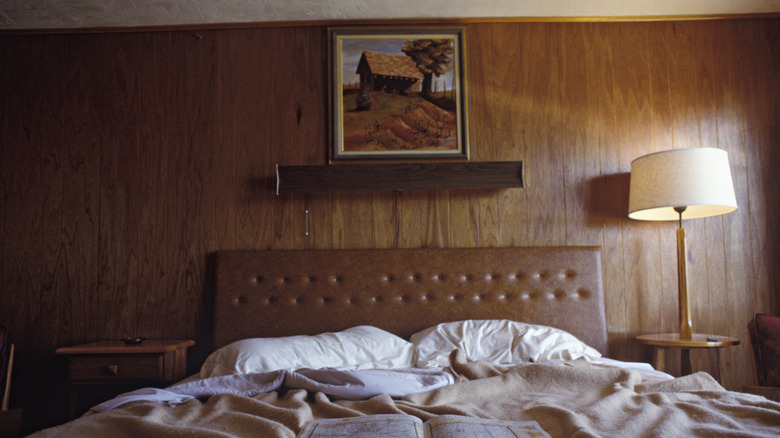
{"x":576,"y":398}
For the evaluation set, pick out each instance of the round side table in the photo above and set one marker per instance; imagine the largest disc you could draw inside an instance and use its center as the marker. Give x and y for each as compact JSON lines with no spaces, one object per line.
{"x":663,"y":341}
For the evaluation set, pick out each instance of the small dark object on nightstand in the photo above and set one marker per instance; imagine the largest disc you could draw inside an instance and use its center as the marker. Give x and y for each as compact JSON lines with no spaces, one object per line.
{"x":133,"y":341}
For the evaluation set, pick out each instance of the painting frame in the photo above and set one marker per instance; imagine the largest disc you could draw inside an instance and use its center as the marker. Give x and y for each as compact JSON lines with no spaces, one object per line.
{"x":429,"y":120}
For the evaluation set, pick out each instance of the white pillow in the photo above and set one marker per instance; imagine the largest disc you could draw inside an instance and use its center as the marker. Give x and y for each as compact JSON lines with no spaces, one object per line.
{"x":361,"y":347}
{"x":497,"y":341}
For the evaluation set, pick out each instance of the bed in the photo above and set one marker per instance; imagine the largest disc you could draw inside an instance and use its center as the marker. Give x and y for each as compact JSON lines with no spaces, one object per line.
{"x":490,"y":333}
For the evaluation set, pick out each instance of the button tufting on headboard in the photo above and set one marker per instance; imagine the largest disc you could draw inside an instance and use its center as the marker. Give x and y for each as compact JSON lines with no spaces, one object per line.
{"x":406,"y":290}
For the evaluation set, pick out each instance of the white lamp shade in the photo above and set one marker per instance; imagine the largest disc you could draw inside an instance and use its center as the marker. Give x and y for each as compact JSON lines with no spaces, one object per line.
{"x":696,"y":178}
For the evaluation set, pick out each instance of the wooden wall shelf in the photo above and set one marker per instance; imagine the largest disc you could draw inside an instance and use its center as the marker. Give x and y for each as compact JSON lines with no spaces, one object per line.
{"x":399,"y":176}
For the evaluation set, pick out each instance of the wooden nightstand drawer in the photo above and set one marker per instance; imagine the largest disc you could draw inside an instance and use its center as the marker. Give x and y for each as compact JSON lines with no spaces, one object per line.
{"x":113,"y":367}
{"x":107,"y":368}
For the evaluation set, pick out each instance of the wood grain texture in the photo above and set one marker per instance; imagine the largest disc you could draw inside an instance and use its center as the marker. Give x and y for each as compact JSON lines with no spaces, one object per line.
{"x":5,"y":94}
{"x":118,"y":226}
{"x":80,"y":200}
{"x":687,"y":133}
{"x":127,"y":159}
{"x":22,"y":210}
{"x":545,"y":203}
{"x":611,"y":186}
{"x":53,"y":278}
{"x":464,"y":218}
{"x":659,"y":43}
{"x":154,"y":111}
{"x":739,"y":281}
{"x":639,"y":241}
{"x":501,"y":107}
{"x":225,"y":165}
{"x":579,"y":126}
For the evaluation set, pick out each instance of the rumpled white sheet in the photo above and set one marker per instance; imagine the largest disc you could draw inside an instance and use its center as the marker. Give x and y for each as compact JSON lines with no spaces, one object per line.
{"x":341,"y":384}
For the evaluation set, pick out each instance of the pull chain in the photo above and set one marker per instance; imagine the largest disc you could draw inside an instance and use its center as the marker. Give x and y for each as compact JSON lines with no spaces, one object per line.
{"x":397,"y":217}
{"x":306,"y":215}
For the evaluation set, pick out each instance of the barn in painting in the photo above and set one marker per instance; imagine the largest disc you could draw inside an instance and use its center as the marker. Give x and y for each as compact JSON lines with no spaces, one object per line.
{"x":391,"y":73}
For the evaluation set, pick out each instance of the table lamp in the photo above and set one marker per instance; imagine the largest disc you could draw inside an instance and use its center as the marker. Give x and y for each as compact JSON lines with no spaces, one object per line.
{"x":681,"y":184}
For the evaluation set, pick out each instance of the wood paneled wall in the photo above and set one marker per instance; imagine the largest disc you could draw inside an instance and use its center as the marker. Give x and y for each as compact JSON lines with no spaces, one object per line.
{"x":127,"y":158}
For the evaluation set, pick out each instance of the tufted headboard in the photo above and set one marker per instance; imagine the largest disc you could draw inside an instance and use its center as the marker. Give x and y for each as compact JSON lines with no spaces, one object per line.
{"x":282,"y":293}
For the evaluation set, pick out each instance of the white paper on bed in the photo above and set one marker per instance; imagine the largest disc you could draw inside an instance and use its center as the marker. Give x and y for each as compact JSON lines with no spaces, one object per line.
{"x":341,"y":384}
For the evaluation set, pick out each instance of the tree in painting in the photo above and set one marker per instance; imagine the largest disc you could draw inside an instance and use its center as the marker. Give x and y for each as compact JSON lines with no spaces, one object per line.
{"x":432,"y":57}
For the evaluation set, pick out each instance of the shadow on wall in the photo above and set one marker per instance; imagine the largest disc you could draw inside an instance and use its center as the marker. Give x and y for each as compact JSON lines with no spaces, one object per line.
{"x":772,"y":194}
{"x":607,"y":199}
{"x":606,"y":204}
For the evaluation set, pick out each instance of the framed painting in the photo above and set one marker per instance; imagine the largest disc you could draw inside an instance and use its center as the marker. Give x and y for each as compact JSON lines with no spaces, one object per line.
{"x":399,"y":93}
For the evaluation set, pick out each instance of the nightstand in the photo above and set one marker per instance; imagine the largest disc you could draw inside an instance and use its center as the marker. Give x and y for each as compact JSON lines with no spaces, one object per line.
{"x":113,"y":367}
{"x":11,"y":423}
{"x":713,"y":344}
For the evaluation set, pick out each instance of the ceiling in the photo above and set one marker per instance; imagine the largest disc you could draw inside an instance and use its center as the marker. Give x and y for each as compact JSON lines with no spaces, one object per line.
{"x":76,"y":14}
